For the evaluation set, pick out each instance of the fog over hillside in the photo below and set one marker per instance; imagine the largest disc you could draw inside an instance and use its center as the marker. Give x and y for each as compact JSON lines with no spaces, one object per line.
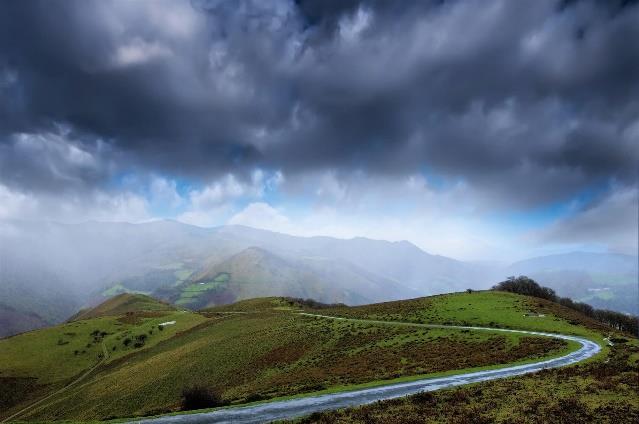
{"x":49,"y":270}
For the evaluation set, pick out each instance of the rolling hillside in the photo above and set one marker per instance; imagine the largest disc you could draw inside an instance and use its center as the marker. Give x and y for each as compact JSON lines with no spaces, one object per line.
{"x":260,"y":349}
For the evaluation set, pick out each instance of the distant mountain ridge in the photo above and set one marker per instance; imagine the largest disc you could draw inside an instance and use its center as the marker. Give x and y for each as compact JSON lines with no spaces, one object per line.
{"x":256,"y":272}
{"x":50,"y":270}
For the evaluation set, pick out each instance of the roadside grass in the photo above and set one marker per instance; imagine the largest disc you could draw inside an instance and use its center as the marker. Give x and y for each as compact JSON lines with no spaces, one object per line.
{"x":602,"y":391}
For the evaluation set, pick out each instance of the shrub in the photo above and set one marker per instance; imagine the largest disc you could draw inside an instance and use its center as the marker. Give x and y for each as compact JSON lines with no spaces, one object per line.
{"x":529,"y":287}
{"x":199,"y":397}
{"x":255,"y":397}
{"x":526,"y":286}
{"x":311,"y":303}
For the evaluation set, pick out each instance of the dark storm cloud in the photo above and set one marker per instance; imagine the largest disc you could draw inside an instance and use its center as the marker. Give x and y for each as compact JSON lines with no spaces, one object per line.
{"x":531,"y":101}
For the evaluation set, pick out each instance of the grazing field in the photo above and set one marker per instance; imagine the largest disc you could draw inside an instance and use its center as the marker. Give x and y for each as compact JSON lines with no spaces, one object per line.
{"x":482,"y":308}
{"x":254,"y":350}
{"x":191,"y":292}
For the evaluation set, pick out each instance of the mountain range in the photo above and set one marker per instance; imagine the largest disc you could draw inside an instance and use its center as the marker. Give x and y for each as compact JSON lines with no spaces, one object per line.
{"x":50,"y":270}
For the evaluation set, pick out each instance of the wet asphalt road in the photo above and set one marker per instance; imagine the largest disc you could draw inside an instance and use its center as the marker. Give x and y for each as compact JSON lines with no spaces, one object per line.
{"x":287,"y":409}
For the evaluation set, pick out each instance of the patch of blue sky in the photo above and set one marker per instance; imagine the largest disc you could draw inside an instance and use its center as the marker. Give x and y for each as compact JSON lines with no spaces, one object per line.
{"x":140,"y":184}
{"x":436,"y":181}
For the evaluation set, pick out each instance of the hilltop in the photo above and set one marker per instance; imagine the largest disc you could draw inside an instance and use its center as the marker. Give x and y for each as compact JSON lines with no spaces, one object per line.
{"x":123,"y":304}
{"x":260,"y":349}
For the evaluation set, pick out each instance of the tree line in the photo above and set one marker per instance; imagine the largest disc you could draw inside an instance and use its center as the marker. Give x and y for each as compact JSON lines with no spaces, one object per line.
{"x":529,"y":287}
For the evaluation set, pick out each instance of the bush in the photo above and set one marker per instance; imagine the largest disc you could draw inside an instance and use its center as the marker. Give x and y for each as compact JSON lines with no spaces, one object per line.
{"x":254,"y":397}
{"x":526,"y":286}
{"x":199,"y":397}
{"x":311,"y":303}
{"x":529,"y":287}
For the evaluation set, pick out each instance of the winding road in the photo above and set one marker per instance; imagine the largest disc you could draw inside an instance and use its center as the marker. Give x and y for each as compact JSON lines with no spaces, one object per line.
{"x":292,"y":408}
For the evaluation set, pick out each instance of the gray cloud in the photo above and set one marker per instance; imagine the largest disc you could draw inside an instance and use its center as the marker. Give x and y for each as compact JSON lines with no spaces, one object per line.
{"x":528,"y":103}
{"x":610,"y":222}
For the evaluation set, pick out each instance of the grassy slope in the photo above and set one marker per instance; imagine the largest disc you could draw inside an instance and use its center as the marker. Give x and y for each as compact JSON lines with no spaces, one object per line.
{"x":605,"y":389}
{"x":485,"y":308}
{"x":265,"y":351}
{"x":38,"y":362}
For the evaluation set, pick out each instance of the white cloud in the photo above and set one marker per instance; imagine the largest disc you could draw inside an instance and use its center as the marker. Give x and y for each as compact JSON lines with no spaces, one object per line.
{"x":164,"y":192}
{"x":352,"y":26}
{"x":138,"y":51}
{"x":217,"y":193}
{"x":262,"y":215}
{"x":95,"y":205}
{"x":124,"y":207}
{"x":15,"y":205}
{"x":212,"y":204}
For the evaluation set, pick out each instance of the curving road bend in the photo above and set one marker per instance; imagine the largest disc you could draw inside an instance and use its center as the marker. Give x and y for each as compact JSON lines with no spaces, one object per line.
{"x":288,"y":409}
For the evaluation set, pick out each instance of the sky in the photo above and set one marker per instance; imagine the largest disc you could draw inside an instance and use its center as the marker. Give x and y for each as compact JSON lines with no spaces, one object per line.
{"x":478,"y":129}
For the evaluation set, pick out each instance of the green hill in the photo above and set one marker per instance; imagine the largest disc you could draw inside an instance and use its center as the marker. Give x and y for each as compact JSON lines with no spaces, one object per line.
{"x":256,"y":272}
{"x":261,"y":349}
{"x":122,"y":304}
